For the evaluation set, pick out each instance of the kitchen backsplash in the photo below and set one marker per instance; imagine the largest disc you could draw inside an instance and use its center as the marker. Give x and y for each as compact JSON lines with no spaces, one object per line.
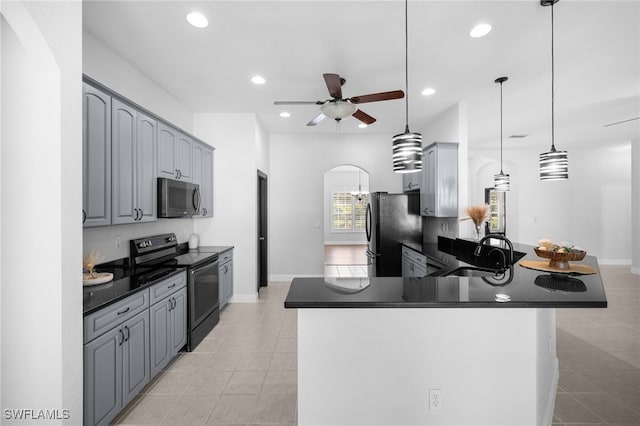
{"x":104,"y":239}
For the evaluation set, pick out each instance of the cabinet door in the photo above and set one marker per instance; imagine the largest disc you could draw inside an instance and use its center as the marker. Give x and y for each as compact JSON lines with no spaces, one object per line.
{"x":160,"y":335}
{"x":167,"y":138}
{"x":178,"y":321}
{"x":135,"y":356}
{"x":428,"y":187}
{"x":183,"y":157}
{"x":146,"y":182}
{"x":406,"y":267}
{"x":96,"y":157}
{"x":123,"y":162}
{"x":196,"y":176}
{"x":103,"y":378}
{"x":206,"y":190}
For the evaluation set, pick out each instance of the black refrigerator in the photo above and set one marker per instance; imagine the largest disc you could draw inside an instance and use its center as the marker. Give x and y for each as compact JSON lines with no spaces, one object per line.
{"x":392,"y":219}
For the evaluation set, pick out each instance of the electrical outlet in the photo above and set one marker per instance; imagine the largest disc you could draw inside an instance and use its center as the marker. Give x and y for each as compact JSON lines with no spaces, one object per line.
{"x":116,"y":241}
{"x":435,"y":399}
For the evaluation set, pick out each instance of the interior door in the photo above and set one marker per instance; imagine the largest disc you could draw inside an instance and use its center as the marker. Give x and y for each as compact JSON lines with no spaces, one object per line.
{"x":263,"y":276}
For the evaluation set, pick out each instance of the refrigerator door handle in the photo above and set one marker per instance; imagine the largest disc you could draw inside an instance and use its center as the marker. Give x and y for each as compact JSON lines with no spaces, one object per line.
{"x":367,"y":223}
{"x":371,"y":255}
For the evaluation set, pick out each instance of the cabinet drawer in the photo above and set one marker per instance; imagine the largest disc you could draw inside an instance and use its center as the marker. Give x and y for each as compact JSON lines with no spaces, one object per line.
{"x":225,"y":257}
{"x":414,"y":256}
{"x":105,"y":319}
{"x":168,"y":286}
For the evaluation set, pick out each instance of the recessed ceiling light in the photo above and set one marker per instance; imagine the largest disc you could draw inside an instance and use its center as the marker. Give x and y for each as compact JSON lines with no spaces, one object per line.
{"x":428,"y":91}
{"x":480,"y":30}
{"x":285,"y":114}
{"x":362,"y":125}
{"x":256,"y":79}
{"x":197,"y":19}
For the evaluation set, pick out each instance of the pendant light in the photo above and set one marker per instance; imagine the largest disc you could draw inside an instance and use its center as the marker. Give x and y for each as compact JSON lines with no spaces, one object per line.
{"x":407,"y":146}
{"x":501,"y":181}
{"x":554,"y":165}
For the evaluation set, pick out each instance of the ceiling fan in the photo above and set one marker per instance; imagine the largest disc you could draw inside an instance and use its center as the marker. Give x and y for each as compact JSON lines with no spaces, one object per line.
{"x":338,"y":107}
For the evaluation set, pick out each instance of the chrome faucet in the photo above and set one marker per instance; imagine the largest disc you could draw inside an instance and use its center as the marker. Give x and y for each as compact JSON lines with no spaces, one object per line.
{"x":478,"y":249}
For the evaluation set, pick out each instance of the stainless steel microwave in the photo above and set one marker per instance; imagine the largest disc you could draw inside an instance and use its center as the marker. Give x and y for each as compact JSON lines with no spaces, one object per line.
{"x":177,"y":198}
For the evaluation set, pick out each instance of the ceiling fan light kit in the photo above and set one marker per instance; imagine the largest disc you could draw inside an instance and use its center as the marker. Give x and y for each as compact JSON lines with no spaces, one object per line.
{"x":501,"y":181}
{"x":554,"y":164}
{"x":339,"y":108}
{"x":407,"y":146}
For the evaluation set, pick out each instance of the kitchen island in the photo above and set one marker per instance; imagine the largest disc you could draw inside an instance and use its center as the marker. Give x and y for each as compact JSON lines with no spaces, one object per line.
{"x":433,"y":350}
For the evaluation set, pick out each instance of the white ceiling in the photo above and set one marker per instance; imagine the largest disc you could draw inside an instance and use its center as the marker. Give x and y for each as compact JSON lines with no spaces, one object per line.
{"x":292,"y":43}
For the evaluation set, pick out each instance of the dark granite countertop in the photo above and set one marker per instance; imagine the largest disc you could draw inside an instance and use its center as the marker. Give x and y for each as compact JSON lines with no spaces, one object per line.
{"x":126,"y":281}
{"x":525,"y":288}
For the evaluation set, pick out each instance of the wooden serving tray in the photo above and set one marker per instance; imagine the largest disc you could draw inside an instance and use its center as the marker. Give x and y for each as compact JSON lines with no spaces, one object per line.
{"x":543,"y":265}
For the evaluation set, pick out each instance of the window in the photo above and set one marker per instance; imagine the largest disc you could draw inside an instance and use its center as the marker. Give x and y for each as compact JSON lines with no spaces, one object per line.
{"x":348,"y":211}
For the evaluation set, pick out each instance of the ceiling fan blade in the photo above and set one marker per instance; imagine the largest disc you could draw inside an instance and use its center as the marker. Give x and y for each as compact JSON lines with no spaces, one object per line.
{"x":374,"y":97}
{"x":318,"y":118}
{"x":334,"y":84}
{"x":297,"y":103}
{"x":364,"y":117}
{"x":620,"y":122}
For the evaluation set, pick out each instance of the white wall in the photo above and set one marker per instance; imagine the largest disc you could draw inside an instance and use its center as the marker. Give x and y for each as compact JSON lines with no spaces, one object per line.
{"x":592,"y":209}
{"x":241,"y":149}
{"x":105,"y":66}
{"x":298,"y":165}
{"x":41,"y":281}
{"x":342,"y":180}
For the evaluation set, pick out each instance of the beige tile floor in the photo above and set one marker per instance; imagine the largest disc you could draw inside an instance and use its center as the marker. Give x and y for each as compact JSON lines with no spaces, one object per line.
{"x":245,"y":372}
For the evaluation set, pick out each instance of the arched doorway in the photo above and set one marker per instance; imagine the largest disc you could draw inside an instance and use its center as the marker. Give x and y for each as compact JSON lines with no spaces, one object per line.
{"x":346,"y":194}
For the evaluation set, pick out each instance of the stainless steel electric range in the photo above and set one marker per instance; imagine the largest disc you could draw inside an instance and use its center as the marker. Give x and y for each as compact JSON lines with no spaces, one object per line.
{"x":161,"y":252}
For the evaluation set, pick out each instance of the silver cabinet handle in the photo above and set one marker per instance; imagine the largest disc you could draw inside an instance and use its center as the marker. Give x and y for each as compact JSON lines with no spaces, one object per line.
{"x":121,"y":335}
{"x":128,"y":333}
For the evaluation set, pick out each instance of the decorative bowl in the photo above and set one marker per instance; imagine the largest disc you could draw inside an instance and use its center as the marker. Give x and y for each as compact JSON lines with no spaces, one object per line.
{"x":560,"y":260}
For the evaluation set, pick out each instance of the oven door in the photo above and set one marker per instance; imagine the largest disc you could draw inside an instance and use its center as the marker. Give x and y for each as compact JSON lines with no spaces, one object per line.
{"x":203,"y":293}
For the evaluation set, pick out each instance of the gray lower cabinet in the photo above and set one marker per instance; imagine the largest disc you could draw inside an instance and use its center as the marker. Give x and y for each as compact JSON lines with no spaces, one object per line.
{"x":439,"y":188}
{"x":414,"y":264}
{"x":174,"y":153}
{"x":96,"y":157}
{"x":134,"y":137}
{"x":168,"y":315}
{"x":116,"y":363}
{"x":225,"y":272}
{"x":203,"y":176}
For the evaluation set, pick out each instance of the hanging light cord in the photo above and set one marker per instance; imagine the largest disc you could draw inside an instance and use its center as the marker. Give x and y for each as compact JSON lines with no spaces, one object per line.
{"x":406,"y":66}
{"x":553,"y":145}
{"x":501,"y":128}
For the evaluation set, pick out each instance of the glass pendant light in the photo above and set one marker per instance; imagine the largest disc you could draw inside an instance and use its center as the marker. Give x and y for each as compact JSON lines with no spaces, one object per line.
{"x":501,"y":181}
{"x":407,"y":146}
{"x":554,"y":165}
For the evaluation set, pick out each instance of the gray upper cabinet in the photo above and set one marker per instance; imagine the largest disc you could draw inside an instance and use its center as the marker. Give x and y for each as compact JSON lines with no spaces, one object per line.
{"x":133,"y":159}
{"x":174,"y":153}
{"x":203,"y":176}
{"x":439,"y":188}
{"x":411,"y":181}
{"x":96,"y":157}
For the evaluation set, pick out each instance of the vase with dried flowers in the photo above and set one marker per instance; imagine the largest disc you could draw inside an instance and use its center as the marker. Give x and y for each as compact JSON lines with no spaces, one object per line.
{"x":479,"y":215}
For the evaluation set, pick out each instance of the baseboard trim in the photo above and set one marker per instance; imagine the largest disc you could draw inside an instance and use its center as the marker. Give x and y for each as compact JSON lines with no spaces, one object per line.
{"x":289,"y":277}
{"x":244,"y":298}
{"x":551,"y":402}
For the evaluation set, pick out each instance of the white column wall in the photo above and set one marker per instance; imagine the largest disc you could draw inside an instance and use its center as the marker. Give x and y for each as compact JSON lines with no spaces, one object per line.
{"x":41,"y":281}
{"x":635,"y":209}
